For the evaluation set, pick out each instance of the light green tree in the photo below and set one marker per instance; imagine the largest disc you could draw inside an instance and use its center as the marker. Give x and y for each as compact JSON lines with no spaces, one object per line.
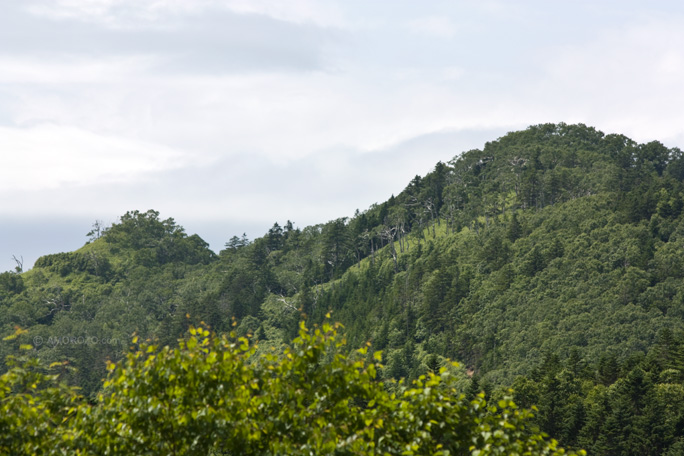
{"x":213,"y":395}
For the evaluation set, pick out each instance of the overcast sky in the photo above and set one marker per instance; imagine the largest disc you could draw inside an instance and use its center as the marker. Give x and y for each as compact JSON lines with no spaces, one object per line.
{"x":229,"y":115}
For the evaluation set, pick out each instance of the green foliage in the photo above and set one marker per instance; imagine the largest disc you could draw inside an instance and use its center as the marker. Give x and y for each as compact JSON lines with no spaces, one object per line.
{"x":75,"y":262}
{"x":10,"y":283}
{"x":631,"y":408}
{"x":210,"y":395}
{"x":156,"y":241}
{"x":556,"y":241}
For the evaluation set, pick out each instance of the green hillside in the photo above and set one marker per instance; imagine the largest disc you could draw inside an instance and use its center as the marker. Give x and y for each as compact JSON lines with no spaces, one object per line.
{"x":551,"y":261}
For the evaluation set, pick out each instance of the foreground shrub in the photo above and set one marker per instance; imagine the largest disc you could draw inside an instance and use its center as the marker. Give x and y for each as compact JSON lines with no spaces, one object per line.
{"x":214,"y":396}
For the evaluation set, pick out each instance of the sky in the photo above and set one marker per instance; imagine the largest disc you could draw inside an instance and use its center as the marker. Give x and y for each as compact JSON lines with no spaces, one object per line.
{"x":230,"y":115}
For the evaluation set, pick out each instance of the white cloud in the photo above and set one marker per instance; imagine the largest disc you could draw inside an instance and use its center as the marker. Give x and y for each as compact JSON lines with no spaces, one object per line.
{"x":118,"y":13}
{"x":73,"y":70}
{"x":452,"y":73}
{"x":670,"y":66}
{"x":627,"y":80}
{"x":321,"y":12}
{"x":48,"y":157}
{"x":436,"y":26}
{"x":282,"y":117}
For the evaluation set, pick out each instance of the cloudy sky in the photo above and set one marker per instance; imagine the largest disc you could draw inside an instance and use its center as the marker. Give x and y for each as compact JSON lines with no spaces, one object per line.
{"x":229,"y":115}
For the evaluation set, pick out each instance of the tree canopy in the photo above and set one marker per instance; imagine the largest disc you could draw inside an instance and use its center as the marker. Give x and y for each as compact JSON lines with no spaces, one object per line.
{"x":214,"y":395}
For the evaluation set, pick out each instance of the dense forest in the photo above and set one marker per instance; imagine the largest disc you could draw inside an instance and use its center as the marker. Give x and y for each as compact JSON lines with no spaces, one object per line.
{"x":550,"y":262}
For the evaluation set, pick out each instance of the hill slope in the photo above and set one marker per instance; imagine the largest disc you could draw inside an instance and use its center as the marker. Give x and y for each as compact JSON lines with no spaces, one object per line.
{"x":553,"y":256}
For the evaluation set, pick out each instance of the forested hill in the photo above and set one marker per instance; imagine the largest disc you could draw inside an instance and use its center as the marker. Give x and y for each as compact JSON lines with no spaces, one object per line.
{"x":551,"y":260}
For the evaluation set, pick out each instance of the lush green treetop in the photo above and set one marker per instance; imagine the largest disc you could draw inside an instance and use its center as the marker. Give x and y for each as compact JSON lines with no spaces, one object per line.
{"x":213,"y":395}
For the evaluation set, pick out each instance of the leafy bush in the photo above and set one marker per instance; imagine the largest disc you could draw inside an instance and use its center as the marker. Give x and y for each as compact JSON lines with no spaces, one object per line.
{"x":214,"y":395}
